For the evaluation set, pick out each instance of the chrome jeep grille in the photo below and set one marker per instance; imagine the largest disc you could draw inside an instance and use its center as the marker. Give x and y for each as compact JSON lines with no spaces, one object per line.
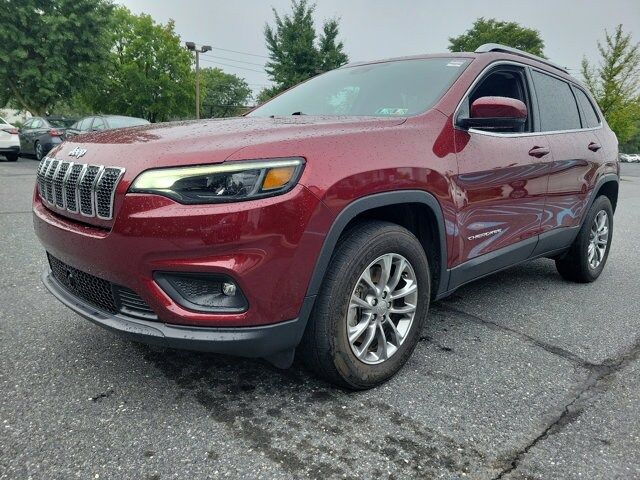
{"x":78,"y":188}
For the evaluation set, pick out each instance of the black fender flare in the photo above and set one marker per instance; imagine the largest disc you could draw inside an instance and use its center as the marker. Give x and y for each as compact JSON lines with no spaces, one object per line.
{"x":370,"y":202}
{"x":604,"y":178}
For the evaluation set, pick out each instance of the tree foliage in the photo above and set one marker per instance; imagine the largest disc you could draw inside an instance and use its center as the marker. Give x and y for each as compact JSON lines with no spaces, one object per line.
{"x":223,"y":94}
{"x":491,"y":30}
{"x":296,"y":51}
{"x":148,"y":73}
{"x":615,"y":82}
{"x":47,"y":48}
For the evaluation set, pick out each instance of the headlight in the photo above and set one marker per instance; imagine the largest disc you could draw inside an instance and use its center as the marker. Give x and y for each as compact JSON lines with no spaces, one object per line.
{"x":225,"y":182}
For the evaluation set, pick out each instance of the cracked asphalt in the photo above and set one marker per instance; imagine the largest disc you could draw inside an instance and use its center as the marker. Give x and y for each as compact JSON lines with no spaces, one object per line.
{"x":521,"y":376}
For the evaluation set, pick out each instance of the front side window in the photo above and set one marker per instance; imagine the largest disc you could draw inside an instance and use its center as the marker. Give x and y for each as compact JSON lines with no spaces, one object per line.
{"x":590,"y":119}
{"x":387,"y":89}
{"x":502,"y":81}
{"x":558,"y":108}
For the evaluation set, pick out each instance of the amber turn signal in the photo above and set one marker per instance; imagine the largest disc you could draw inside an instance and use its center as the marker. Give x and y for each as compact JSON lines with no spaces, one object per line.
{"x":277,"y":177}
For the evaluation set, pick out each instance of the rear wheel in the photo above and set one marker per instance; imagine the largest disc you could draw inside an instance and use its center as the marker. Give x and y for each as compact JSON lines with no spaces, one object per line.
{"x":371,"y":307}
{"x":588,"y":254}
{"x":11,"y":157}
{"x":37,"y":147}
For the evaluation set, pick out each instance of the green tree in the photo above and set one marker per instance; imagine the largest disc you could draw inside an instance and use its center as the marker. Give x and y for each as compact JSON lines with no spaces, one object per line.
{"x":223,"y":94}
{"x":296,"y":52}
{"x":148,"y":73}
{"x":615,"y":82}
{"x":47,"y":47}
{"x":491,"y":30}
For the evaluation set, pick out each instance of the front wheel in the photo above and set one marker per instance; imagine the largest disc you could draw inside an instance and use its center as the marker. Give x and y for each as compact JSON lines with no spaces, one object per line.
{"x":11,"y":157}
{"x":371,"y":307}
{"x":588,"y":254}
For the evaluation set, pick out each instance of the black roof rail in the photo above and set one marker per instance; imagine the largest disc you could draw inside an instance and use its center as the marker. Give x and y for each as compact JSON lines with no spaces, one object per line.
{"x":496,"y":47}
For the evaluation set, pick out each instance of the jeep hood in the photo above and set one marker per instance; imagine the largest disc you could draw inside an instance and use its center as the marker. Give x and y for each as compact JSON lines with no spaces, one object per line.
{"x":210,"y":141}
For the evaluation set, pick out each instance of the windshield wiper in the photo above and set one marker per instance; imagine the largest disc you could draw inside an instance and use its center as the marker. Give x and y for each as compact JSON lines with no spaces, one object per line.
{"x":298,"y":113}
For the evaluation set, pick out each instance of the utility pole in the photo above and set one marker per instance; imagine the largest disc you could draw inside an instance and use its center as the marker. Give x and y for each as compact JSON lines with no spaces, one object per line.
{"x":205,"y":48}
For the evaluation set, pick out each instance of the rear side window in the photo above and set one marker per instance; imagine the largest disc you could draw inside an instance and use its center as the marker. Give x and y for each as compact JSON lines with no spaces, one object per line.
{"x":590,"y":116}
{"x":558,"y":108}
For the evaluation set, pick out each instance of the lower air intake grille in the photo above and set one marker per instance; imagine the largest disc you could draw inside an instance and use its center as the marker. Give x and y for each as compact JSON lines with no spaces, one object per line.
{"x":100,"y":293}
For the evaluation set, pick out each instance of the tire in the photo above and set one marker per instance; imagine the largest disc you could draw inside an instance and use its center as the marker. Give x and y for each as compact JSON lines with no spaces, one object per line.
{"x":39,"y":150}
{"x":326,"y":348}
{"x":577,"y":264}
{"x":11,"y":157}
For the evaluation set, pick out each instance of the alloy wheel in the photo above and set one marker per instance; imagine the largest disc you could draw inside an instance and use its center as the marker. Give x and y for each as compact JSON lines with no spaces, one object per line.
{"x":382,"y":308}
{"x":598,"y":239}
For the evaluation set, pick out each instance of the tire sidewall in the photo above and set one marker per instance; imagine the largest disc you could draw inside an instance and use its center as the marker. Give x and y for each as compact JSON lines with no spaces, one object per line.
{"x":601,"y":203}
{"x":355,"y":372}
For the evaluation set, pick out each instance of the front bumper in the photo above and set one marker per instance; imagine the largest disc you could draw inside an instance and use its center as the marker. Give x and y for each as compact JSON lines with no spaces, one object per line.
{"x":273,"y":342}
{"x":267,"y":246}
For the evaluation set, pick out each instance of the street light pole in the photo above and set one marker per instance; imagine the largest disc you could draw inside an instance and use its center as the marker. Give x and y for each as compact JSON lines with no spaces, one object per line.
{"x":205,"y":48}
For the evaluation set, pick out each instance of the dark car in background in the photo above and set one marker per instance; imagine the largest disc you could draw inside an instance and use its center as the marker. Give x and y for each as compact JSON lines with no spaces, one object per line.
{"x":38,"y":135}
{"x":103,"y":122}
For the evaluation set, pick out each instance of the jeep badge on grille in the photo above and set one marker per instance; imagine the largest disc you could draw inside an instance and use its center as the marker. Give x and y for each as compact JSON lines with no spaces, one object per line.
{"x":77,"y":152}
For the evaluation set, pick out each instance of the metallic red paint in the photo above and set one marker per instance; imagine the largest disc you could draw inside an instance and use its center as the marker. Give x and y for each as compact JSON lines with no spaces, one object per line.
{"x":270,"y":246}
{"x":498,"y":107}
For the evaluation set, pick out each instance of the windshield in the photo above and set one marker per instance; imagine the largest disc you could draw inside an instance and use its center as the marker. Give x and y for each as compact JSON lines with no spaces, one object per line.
{"x":397,"y":88}
{"x":120,"y":122}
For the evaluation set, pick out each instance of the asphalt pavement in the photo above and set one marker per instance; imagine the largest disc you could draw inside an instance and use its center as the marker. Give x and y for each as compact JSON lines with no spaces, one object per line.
{"x":521,"y":375}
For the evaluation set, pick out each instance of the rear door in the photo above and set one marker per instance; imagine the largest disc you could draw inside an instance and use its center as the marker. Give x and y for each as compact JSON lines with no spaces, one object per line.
{"x":575,"y":150}
{"x":502,"y":180}
{"x":24,"y":135}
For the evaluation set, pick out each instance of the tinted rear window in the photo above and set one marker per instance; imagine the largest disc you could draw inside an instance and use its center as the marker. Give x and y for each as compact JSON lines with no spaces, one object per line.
{"x":558,"y":108}
{"x":590,"y":116}
{"x":396,"y":88}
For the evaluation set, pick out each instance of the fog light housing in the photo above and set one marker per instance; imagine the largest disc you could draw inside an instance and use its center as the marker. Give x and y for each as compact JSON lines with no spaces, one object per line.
{"x":203,"y":292}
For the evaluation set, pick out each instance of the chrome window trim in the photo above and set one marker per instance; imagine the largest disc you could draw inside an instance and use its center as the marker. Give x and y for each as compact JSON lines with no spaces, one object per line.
{"x":113,"y":193}
{"x":523,"y":134}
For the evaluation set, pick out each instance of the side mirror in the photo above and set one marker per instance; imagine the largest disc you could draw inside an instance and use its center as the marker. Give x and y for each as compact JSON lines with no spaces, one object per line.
{"x":495,"y":113}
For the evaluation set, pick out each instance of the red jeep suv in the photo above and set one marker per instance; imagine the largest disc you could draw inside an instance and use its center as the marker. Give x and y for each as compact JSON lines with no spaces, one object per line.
{"x":327,"y":219}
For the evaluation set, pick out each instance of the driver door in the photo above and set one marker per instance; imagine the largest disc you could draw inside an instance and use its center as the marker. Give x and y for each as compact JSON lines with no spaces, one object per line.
{"x":501,"y":183}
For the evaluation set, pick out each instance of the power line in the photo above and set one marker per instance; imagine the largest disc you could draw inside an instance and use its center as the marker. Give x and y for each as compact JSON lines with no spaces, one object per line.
{"x":232,"y":66}
{"x":234,"y":60}
{"x":241,"y":53}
